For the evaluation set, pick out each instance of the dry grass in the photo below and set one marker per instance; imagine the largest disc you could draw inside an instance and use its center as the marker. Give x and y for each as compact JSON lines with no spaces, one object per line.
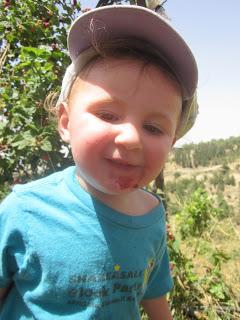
{"x":223,"y":235}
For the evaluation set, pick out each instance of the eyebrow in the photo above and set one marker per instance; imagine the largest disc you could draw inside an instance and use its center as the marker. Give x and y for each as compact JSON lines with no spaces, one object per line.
{"x":158,"y":116}
{"x":107,"y":99}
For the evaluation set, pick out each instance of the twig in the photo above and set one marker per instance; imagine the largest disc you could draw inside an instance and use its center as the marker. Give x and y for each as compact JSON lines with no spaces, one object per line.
{"x":3,"y":56}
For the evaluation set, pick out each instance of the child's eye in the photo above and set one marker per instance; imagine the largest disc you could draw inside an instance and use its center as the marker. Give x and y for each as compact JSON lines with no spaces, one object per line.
{"x":152,"y":129}
{"x":107,"y":116}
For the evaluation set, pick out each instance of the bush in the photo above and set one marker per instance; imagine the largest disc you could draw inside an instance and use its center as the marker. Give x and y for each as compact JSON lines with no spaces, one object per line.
{"x":177,"y":175}
{"x":194,"y":217}
{"x":185,"y":298}
{"x":32,"y":63}
{"x":223,"y":209}
{"x":183,"y":187}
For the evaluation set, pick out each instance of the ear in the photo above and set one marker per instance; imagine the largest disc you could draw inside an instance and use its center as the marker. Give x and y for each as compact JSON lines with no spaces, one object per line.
{"x":63,"y":122}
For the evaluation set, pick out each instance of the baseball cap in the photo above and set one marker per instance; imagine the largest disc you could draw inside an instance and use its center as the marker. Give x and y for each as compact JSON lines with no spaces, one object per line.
{"x":130,"y":21}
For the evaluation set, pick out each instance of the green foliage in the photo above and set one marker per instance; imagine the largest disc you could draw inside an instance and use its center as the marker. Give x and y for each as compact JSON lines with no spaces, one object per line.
{"x":4,"y":190}
{"x":185,"y":298}
{"x":205,"y":296}
{"x":181,"y":188}
{"x":182,"y":156}
{"x":196,"y":214}
{"x":215,"y":283}
{"x":32,"y":63}
{"x":177,"y":175}
{"x":200,"y":227}
{"x":208,"y":153}
{"x":222,"y":177}
{"x":223,"y":209}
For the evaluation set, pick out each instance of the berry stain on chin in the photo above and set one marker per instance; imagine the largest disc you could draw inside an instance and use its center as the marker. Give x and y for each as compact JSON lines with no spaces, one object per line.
{"x":125,"y":183}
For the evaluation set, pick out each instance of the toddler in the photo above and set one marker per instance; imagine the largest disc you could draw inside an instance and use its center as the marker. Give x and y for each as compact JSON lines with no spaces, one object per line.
{"x":89,"y":242}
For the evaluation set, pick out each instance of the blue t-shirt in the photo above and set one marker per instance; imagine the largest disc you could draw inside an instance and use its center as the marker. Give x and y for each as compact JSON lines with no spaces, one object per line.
{"x":72,"y":257}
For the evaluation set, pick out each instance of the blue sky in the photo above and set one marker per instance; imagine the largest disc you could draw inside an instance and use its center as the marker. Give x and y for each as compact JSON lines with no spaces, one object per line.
{"x":212,"y":30}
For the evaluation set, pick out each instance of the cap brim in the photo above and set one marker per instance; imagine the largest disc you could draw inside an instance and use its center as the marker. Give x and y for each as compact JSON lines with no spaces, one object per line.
{"x":124,"y":21}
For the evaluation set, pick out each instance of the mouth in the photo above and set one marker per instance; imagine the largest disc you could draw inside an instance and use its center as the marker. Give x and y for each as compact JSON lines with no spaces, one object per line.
{"x":122,"y":164}
{"x":125,"y":174}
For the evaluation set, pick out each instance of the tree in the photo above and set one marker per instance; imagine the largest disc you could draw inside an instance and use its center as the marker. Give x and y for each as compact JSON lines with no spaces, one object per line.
{"x":32,"y":62}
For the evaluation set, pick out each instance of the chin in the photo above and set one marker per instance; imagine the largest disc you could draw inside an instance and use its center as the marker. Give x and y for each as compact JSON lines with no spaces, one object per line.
{"x":114,"y":189}
{"x":114,"y":186}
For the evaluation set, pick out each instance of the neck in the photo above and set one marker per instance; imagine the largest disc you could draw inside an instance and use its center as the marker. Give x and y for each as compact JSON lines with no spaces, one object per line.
{"x":135,"y":202}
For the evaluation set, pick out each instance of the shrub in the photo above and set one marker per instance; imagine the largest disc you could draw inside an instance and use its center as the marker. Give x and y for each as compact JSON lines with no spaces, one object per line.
{"x":183,"y":187}
{"x":223,"y":209}
{"x":222,"y":178}
{"x":32,"y":62}
{"x":195,"y":215}
{"x":177,"y":174}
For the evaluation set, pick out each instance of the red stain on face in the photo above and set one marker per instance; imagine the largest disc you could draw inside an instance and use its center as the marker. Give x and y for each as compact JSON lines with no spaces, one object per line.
{"x":125,"y":183}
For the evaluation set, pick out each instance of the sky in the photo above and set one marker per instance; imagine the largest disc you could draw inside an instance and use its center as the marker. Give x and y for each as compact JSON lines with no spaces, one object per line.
{"x":212,"y":30}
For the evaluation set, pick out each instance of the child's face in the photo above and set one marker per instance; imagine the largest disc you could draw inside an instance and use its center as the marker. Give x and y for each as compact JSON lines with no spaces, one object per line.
{"x":121,"y":121}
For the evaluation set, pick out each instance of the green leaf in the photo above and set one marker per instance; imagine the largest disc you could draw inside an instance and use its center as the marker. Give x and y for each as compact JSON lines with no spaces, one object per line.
{"x":46,"y":145}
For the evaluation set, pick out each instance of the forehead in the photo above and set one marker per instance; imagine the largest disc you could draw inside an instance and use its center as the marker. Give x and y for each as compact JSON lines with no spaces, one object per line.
{"x":110,"y":71}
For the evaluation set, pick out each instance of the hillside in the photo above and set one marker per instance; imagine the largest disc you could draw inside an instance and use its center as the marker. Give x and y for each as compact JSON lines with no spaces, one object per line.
{"x":215,"y":171}
{"x":208,"y":153}
{"x":206,"y":175}
{"x":214,"y":165}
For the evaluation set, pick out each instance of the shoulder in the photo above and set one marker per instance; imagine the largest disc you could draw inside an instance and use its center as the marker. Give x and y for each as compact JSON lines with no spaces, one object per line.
{"x":48,"y":181}
{"x":26,"y":196}
{"x":46,"y":186}
{"x":31,"y":205}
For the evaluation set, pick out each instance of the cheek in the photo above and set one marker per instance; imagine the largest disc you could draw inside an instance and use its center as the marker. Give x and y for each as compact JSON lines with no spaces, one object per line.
{"x":157,"y":153}
{"x":88,"y":140}
{"x":85,"y":152}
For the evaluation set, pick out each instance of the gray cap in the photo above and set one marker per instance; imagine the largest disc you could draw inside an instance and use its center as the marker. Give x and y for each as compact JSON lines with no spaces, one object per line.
{"x":124,"y":21}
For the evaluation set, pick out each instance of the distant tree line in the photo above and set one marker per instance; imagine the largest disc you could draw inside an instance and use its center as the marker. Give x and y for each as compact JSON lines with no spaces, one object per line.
{"x":205,"y":154}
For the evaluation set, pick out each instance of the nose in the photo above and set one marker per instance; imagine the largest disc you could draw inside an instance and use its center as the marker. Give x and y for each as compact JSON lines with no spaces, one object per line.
{"x":128,"y":136}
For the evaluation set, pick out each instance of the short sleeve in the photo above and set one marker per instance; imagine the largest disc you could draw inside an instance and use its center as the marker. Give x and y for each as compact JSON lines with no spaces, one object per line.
{"x":12,"y":248}
{"x":160,"y":281}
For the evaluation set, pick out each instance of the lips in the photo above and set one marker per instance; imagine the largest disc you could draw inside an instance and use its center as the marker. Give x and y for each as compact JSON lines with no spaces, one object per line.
{"x":122,"y":164}
{"x":124,"y":174}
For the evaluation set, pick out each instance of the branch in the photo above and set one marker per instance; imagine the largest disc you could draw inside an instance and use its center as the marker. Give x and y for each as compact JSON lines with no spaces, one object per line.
{"x":3,"y":56}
